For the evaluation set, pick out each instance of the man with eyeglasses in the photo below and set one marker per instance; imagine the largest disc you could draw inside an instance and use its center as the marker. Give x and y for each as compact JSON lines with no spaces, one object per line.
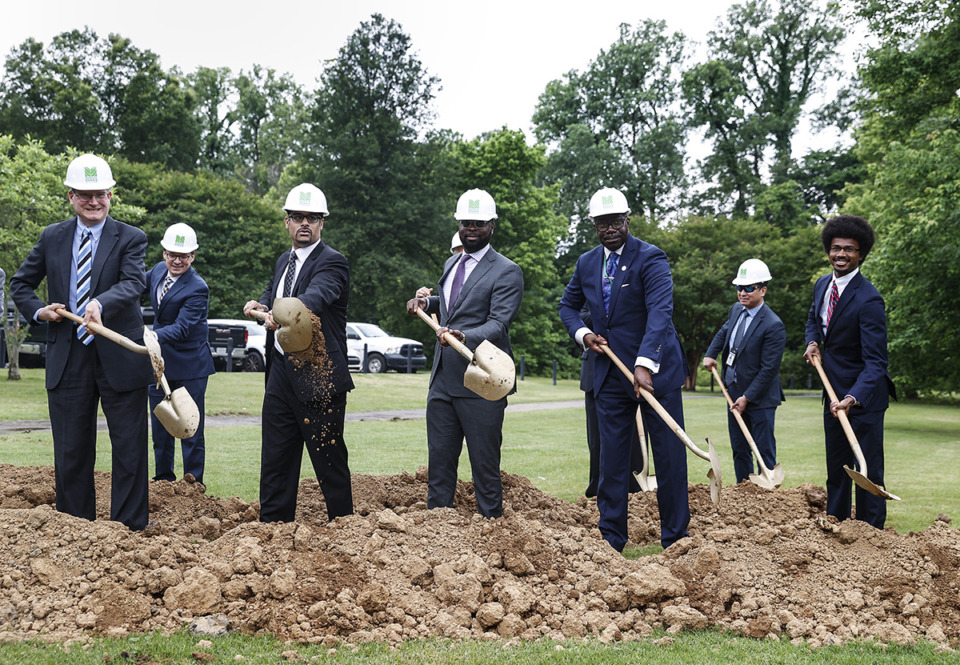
{"x":478,"y":298}
{"x":847,"y":330}
{"x":305,"y":400}
{"x":751,"y":342}
{"x":180,"y":299}
{"x":93,"y":265}
{"x":626,"y":284}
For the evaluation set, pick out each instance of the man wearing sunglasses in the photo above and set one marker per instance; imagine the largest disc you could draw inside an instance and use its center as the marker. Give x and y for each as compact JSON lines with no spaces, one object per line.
{"x":478,"y":298}
{"x":847,"y":329}
{"x":180,"y":299}
{"x":627,"y":285}
{"x":751,"y":343}
{"x":305,"y":401}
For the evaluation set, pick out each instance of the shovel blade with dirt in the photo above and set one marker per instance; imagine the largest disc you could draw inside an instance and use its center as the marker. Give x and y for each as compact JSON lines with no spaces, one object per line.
{"x":491,"y":372}
{"x":295,"y":331}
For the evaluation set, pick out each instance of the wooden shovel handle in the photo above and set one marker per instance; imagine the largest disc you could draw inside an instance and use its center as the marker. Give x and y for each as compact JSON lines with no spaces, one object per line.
{"x":97,"y":329}
{"x":450,"y":339}
{"x":662,"y":412}
{"x":743,"y":425}
{"x":844,"y":420}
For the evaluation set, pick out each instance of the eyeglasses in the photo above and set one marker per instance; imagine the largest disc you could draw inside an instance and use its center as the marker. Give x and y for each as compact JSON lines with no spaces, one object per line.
{"x":474,"y":223}
{"x":749,"y":289}
{"x":846,"y":249}
{"x":603,"y":226}
{"x":297,"y":218}
{"x":183,"y":258}
{"x":87,"y":196}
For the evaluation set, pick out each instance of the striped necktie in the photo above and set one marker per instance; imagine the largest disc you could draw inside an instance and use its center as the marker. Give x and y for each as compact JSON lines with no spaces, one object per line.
{"x":291,"y":273}
{"x":834,"y":297}
{"x":84,"y":265}
{"x":167,"y":283}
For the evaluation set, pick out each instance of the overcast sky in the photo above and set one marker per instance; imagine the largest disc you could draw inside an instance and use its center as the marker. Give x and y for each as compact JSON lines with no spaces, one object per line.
{"x":493,"y":58}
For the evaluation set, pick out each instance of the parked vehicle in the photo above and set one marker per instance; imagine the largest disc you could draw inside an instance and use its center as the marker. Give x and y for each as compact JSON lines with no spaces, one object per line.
{"x":251,"y":356}
{"x":384,"y":351}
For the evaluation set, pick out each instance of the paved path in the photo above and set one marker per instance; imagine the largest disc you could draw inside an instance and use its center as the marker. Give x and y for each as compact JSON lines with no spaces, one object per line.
{"x":9,"y":426}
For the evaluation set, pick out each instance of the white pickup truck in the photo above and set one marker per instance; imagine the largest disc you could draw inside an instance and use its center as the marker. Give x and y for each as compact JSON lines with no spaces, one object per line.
{"x":384,"y":352}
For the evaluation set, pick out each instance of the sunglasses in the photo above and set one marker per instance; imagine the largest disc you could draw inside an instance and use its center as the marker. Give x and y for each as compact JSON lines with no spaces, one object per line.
{"x":749,"y":289}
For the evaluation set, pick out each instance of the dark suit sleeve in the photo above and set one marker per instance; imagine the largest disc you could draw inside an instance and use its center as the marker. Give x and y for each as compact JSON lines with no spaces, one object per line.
{"x":658,"y":297}
{"x":873,"y":348}
{"x":505,"y":301}
{"x":719,"y":341}
{"x":266,"y":299}
{"x":328,"y":284}
{"x":25,"y":281}
{"x":772,"y":343}
{"x":572,"y":302}
{"x":814,"y":332}
{"x":193,"y":311}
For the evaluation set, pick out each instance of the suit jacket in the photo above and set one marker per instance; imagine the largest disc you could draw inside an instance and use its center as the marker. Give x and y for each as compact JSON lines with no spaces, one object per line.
{"x":180,"y":321}
{"x":640,"y":320}
{"x":117,"y":281}
{"x":855,"y":347}
{"x":758,"y":360}
{"x":323,"y":285}
{"x":487,"y":305}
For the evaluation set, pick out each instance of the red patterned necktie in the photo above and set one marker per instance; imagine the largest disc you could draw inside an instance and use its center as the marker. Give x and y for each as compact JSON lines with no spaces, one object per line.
{"x":834,"y":297}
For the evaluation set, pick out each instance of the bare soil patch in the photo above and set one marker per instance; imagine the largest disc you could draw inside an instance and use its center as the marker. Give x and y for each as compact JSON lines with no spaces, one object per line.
{"x":763,"y":564}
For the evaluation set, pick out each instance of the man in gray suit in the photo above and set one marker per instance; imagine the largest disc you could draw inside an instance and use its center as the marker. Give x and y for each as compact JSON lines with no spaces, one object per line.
{"x":752,"y":342}
{"x":478,"y":298}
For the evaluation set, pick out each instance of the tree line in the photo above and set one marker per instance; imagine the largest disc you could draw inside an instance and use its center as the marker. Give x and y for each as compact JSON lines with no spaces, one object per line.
{"x":219,"y":150}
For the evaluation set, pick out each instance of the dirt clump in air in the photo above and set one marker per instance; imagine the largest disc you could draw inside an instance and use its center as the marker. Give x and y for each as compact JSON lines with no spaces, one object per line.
{"x":764,"y":563}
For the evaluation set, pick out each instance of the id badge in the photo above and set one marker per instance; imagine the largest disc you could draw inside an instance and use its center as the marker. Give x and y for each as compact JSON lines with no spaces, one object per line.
{"x":730,"y":358}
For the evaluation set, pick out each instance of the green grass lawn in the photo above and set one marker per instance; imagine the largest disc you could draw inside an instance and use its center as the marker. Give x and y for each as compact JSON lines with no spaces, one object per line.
{"x":922,"y":444}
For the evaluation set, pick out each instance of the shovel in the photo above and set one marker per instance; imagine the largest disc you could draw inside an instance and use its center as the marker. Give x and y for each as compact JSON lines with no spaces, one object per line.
{"x":295,"y":332}
{"x":491,"y":372}
{"x":646,"y":482}
{"x":859,"y":477}
{"x":771,"y":480}
{"x":177,"y":411}
{"x":714,"y":473}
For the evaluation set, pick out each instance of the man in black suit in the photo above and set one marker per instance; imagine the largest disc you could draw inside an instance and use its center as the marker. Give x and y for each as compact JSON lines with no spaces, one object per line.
{"x":306,"y":397}
{"x":94,"y":267}
{"x":180,"y":299}
{"x":752,"y":342}
{"x":479,"y":296}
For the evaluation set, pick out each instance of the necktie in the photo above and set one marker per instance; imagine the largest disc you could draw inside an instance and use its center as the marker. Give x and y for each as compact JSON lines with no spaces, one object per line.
{"x":167,"y":283}
{"x":739,"y":329}
{"x":834,"y":297}
{"x":291,"y":273}
{"x":84,"y":264}
{"x":609,"y":272}
{"x":458,"y":281}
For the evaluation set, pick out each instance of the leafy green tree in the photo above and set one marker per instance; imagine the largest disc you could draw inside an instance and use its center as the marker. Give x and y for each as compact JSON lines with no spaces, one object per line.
{"x":213,"y":89}
{"x":628,"y":99}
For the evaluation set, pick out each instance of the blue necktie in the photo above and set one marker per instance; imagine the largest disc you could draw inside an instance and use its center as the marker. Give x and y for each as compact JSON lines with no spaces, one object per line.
{"x":84,"y":265}
{"x":609,"y":272}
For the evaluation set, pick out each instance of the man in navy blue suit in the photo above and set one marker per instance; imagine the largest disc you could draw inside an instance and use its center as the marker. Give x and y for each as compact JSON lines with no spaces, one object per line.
{"x":847,"y":329}
{"x":180,"y":300}
{"x":93,"y":265}
{"x":752,"y":342}
{"x":627,"y":285}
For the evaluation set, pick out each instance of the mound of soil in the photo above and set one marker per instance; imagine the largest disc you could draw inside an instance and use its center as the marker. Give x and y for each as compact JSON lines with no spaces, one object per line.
{"x":763,"y":564}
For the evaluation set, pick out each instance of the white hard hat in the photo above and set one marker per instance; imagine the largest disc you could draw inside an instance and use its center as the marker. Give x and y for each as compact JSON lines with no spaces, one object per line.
{"x":89,"y":172}
{"x":477,"y":205}
{"x":306,"y":198}
{"x":455,"y":243}
{"x":752,"y":271}
{"x":608,"y":201}
{"x":180,"y":238}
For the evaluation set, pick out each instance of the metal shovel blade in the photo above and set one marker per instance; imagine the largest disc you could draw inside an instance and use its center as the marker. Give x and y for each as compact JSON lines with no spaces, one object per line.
{"x":153,"y":350}
{"x":646,"y":482}
{"x":491,"y":374}
{"x":867,"y":484}
{"x":178,"y":414}
{"x":296,"y":329}
{"x":716,"y":482}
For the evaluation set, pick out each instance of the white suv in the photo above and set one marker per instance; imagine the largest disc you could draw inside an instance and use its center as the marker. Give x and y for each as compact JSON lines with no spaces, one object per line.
{"x":384,"y":352}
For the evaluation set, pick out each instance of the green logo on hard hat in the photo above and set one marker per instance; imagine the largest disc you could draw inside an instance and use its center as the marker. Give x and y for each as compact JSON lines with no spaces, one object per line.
{"x":304,"y":197}
{"x":90,"y":173}
{"x":473,"y":206}
{"x":743,"y":272}
{"x":606,"y":201}
{"x":181,"y":241}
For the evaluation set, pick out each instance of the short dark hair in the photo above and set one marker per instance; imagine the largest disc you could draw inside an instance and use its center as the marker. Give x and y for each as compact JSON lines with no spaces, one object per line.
{"x":848,"y":226}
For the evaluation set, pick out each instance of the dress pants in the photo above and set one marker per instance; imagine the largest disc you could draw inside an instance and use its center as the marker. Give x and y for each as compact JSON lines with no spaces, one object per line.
{"x":869,"y":430}
{"x":288,"y":424}
{"x":449,"y":421}
{"x":616,"y":409}
{"x":73,"y":419}
{"x":164,"y":447}
{"x":760,"y":424}
{"x":593,"y":445}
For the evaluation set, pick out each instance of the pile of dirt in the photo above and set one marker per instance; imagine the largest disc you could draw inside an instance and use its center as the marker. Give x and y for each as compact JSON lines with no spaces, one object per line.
{"x":762,"y":564}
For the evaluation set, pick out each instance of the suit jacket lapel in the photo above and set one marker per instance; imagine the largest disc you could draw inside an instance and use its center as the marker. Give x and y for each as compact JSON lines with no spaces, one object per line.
{"x":447,"y":267}
{"x":65,"y":258}
{"x":177,"y":286}
{"x":849,"y":293}
{"x":108,"y":238}
{"x":757,"y":320}
{"x":477,"y":273}
{"x":308,"y":267}
{"x":627,"y":256}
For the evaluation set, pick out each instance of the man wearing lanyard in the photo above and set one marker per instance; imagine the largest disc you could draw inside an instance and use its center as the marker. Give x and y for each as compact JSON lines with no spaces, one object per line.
{"x":305,"y":402}
{"x":752,"y":342}
{"x":847,"y":329}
